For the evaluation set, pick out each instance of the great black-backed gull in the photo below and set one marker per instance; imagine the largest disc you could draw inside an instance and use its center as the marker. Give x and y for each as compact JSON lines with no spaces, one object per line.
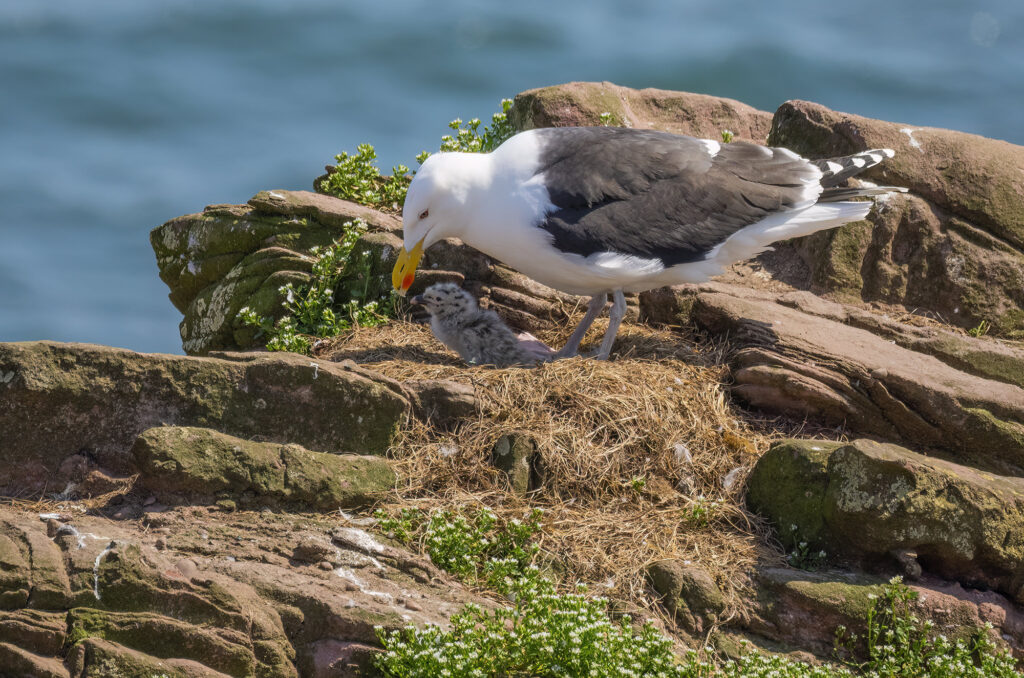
{"x":605,"y":210}
{"x":479,"y":337}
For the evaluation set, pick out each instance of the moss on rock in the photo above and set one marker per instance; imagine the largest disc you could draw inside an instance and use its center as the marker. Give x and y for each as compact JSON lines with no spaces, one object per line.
{"x":64,"y":399}
{"x":165,"y":638}
{"x":788,"y":483}
{"x":870,"y":500}
{"x":234,"y":256}
{"x":200,"y":462}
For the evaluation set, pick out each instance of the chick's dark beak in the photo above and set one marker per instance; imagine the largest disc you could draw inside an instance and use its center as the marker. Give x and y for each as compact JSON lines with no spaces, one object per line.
{"x":417,"y":300}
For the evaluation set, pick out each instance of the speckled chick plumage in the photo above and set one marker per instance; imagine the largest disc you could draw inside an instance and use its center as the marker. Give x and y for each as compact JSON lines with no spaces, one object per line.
{"x":479,"y":336}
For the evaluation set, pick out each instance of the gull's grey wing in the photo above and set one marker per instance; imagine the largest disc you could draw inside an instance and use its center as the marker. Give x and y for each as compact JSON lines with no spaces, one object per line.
{"x":658,"y":195}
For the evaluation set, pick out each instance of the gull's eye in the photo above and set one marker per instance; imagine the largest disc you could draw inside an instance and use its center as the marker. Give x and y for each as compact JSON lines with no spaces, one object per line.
{"x":424,"y":214}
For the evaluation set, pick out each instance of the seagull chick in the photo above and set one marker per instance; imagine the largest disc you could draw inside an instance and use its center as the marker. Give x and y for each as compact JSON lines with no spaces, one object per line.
{"x":605,"y":210}
{"x":479,"y":337}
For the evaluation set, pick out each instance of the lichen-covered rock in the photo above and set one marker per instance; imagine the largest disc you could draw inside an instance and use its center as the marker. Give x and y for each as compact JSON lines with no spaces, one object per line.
{"x":191,"y":462}
{"x":583,"y":103}
{"x":100,"y":658}
{"x":788,"y":483}
{"x":954,"y":246}
{"x":802,"y":363}
{"x":64,"y":399}
{"x":804,"y":609}
{"x":688,"y":593}
{"x":871,"y":500}
{"x":232,"y":256}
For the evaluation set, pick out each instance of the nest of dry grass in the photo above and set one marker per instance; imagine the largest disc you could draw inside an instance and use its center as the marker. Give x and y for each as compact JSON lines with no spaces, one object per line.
{"x":643,"y":457}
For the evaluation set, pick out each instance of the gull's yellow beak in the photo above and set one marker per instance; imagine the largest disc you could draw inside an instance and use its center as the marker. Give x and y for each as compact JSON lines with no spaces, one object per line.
{"x":405,"y":268}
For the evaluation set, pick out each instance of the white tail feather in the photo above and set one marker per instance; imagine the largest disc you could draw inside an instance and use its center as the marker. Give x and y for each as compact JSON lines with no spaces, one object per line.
{"x":756,"y":238}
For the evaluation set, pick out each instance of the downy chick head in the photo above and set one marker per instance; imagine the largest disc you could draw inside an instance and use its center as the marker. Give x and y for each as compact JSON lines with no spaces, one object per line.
{"x":446,"y":300}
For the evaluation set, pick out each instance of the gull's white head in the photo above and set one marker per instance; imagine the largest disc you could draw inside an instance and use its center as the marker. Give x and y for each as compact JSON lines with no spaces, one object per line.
{"x":436,"y":207}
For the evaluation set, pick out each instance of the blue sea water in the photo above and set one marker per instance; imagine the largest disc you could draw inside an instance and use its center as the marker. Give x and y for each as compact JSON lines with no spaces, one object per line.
{"x":117,"y":115}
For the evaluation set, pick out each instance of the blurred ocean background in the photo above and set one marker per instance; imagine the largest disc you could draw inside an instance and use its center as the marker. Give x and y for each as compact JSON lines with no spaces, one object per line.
{"x":117,"y":115}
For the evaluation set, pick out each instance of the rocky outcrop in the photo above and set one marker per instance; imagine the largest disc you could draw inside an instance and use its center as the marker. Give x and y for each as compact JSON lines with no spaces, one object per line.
{"x":232,"y":256}
{"x":872,"y":501}
{"x":60,"y":400}
{"x":442,"y":402}
{"x":954,"y":246}
{"x":797,"y":355}
{"x":188,"y":462}
{"x":186,"y":593}
{"x":583,"y":103}
{"x":952,"y":249}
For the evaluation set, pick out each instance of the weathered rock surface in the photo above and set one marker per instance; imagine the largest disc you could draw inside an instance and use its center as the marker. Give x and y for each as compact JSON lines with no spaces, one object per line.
{"x":803,"y":609}
{"x":954,"y":246}
{"x":874,"y":501}
{"x":442,"y":402}
{"x":688,"y":593}
{"x":231,"y":256}
{"x":815,"y":364}
{"x":218,"y":596}
{"x":198,"y":462}
{"x":59,"y":400}
{"x":583,"y":103}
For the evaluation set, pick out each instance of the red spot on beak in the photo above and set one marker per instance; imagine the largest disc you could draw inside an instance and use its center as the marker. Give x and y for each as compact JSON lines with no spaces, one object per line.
{"x":407,"y":281}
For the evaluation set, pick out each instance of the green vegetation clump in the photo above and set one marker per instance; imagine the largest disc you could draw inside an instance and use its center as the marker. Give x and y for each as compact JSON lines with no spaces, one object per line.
{"x":471,"y":545}
{"x":980,"y":330}
{"x":544,"y":633}
{"x":311,"y":308}
{"x":540,"y":633}
{"x":357,"y":178}
{"x":899,"y":644}
{"x":468,"y":140}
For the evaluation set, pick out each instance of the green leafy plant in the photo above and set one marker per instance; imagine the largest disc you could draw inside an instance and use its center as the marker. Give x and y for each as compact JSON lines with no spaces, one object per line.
{"x":898,"y":643}
{"x":472,"y":544}
{"x":468,"y":139}
{"x":979,"y":330}
{"x":312,"y":310}
{"x":727,"y":136}
{"x":542,"y":633}
{"x":701,"y":512}
{"x":402,"y":526}
{"x":356,"y":177}
{"x":802,"y":556}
